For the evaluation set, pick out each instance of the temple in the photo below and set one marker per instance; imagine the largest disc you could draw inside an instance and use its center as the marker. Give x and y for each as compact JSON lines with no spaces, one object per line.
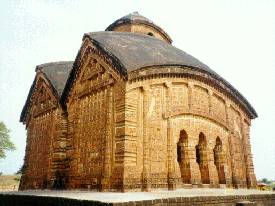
{"x":134,"y":113}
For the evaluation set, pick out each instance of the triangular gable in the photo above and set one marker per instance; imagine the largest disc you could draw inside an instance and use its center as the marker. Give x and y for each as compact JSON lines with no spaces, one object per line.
{"x":93,"y":68}
{"x":41,"y":98}
{"x":55,"y":75}
{"x":92,"y":77}
{"x":44,"y":98}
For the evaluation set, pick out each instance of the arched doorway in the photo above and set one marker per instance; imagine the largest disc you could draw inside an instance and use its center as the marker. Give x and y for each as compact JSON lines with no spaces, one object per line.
{"x":183,"y":157}
{"x":202,"y":158}
{"x":219,"y":160}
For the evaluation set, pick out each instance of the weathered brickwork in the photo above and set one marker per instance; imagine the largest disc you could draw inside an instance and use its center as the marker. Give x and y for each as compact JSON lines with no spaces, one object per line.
{"x":126,"y":123}
{"x":96,"y":96}
{"x":46,"y":139}
{"x":191,"y":138}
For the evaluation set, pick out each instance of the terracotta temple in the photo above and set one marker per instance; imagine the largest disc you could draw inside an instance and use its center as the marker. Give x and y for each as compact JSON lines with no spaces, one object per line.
{"x":134,"y":113}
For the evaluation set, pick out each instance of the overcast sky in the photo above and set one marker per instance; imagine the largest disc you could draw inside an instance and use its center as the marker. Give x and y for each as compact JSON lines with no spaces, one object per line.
{"x":235,"y":38}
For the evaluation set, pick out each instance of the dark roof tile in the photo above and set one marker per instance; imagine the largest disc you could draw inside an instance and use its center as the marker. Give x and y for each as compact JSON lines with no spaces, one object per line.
{"x":57,"y":73}
{"x":137,"y":50}
{"x":132,"y":51}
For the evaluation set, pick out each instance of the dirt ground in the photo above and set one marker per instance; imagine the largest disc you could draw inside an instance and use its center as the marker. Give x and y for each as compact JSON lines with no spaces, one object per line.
{"x":9,"y":182}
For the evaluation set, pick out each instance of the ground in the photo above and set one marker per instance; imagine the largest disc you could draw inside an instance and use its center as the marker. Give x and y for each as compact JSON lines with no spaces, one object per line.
{"x":115,"y":197}
{"x":9,"y":182}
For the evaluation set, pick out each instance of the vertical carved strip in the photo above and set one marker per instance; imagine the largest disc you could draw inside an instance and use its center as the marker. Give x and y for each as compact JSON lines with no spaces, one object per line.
{"x":213,"y":173}
{"x":52,"y":118}
{"x":210,"y":97}
{"x":190,"y":92}
{"x":251,"y":179}
{"x":195,"y":178}
{"x":146,"y":149}
{"x":243,"y":153}
{"x":230,"y":136}
{"x":73,"y":118}
{"x":170,"y":158}
{"x":107,"y":146}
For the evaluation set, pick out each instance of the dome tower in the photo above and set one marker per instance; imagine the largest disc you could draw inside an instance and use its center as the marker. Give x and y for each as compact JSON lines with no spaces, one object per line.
{"x":136,"y":23}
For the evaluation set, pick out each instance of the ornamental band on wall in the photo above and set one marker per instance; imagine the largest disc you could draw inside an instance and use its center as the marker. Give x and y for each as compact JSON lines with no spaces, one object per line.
{"x":133,"y":112}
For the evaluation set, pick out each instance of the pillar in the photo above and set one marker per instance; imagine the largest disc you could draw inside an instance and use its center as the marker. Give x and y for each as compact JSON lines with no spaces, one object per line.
{"x":250,"y":175}
{"x":213,"y":173}
{"x":184,"y":160}
{"x":170,"y":158}
{"x":146,"y":182}
{"x":105,"y":181}
{"x":231,"y":145}
{"x":195,"y":178}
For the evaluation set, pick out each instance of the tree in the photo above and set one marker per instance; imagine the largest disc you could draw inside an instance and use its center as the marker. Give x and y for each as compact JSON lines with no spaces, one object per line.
{"x":266,"y":181}
{"x":5,"y":142}
{"x":21,"y":170}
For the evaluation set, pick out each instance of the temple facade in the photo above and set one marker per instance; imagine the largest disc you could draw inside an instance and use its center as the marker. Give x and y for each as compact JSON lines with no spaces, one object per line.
{"x":134,"y":113}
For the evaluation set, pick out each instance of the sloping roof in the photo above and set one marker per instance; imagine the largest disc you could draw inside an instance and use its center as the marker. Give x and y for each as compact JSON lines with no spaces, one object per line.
{"x":57,"y":73}
{"x":135,"y":17}
{"x":135,"y":50}
{"x":132,"y":51}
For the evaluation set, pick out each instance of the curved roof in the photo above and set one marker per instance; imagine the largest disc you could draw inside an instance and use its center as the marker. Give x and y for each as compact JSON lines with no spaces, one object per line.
{"x":135,"y":50}
{"x":57,"y":73}
{"x":135,"y":17}
{"x":132,"y":51}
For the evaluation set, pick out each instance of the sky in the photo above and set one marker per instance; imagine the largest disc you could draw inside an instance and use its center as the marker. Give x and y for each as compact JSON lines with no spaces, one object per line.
{"x":235,"y":38}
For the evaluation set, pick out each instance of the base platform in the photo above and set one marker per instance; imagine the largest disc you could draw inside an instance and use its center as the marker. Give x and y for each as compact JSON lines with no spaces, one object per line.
{"x":199,"y":196}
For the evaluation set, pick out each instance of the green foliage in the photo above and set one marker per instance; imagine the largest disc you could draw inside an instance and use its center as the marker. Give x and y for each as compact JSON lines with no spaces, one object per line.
{"x":5,"y":143}
{"x":21,"y":170}
{"x":17,"y":178}
{"x":266,"y":181}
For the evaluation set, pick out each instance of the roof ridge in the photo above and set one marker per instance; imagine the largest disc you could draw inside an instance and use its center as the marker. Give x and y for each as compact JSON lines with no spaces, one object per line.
{"x":52,"y":64}
{"x":122,"y":34}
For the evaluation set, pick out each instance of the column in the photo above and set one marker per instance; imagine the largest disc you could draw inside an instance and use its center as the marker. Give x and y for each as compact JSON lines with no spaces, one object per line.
{"x":105,"y":182}
{"x":210,"y":96}
{"x":250,"y":175}
{"x":195,"y":178}
{"x":146,"y":144}
{"x":213,"y":173}
{"x":243,"y":154}
{"x":184,"y":162}
{"x":170,"y":158}
{"x":190,"y":93}
{"x":231,"y":146}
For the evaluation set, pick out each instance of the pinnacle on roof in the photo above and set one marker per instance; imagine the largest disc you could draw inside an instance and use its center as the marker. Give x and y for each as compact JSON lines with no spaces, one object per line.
{"x":135,"y":18}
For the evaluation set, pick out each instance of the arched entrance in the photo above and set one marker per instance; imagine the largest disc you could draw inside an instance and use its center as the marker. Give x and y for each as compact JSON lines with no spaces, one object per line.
{"x":219,"y":160}
{"x":183,"y":157}
{"x":202,"y":158}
